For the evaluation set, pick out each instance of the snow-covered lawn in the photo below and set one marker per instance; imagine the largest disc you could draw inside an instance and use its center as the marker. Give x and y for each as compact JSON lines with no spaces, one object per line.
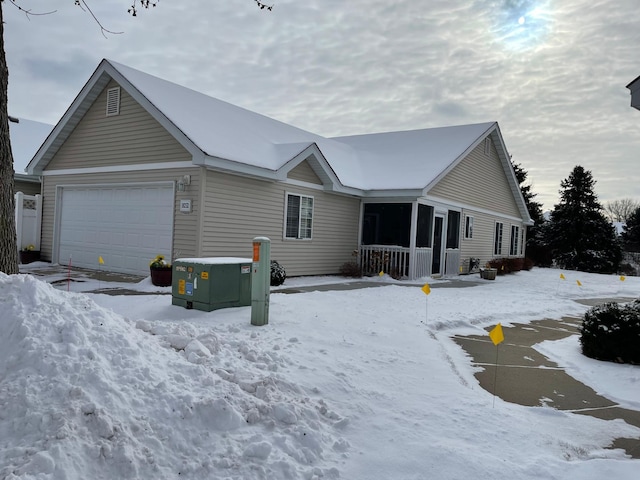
{"x":361,"y":384}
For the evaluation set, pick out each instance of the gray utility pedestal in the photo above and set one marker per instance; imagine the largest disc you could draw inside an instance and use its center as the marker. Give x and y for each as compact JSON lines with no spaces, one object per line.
{"x":211,"y":283}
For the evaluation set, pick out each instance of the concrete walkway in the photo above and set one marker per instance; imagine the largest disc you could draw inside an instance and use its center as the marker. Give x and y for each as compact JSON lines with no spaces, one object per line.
{"x":526,"y":377}
{"x":61,"y":274}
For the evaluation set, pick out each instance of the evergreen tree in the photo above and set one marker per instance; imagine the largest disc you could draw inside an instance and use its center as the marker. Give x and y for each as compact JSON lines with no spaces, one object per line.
{"x":631,"y":232}
{"x":536,"y":249}
{"x":579,"y":235}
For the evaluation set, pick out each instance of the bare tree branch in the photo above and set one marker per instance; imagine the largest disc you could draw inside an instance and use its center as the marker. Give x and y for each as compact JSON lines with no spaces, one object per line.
{"x":29,"y":12}
{"x":85,"y":8}
{"x":621,"y":210}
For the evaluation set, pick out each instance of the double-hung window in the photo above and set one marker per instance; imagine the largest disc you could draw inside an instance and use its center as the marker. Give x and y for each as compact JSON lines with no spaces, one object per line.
{"x":497,"y":241}
{"x":299,"y":216}
{"x":515,"y":240}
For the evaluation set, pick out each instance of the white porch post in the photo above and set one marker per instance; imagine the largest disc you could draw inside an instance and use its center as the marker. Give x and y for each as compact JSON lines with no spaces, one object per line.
{"x":412,"y":240}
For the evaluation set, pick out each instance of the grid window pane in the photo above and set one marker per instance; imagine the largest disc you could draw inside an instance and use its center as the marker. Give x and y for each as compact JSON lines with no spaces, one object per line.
{"x":299,"y":217}
{"x":293,"y":216}
{"x":497,"y":248}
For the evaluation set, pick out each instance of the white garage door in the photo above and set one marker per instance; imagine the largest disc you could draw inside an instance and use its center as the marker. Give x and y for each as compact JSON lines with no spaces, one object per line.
{"x":125,"y":225}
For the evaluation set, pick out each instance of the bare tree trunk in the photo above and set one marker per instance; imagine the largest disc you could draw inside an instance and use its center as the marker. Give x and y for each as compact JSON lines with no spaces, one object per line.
{"x":8,"y":248}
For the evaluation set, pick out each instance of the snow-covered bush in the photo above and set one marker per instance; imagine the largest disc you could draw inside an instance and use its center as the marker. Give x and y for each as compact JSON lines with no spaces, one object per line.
{"x":278,"y":274}
{"x":612,"y":332}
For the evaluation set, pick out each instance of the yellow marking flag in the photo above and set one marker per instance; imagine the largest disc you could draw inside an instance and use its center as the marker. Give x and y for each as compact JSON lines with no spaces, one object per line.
{"x":426,"y":289}
{"x":578,"y":282}
{"x":381,"y":273}
{"x":100,"y":261}
{"x":622,"y":278}
{"x":496,"y":334}
{"x":562,"y":276}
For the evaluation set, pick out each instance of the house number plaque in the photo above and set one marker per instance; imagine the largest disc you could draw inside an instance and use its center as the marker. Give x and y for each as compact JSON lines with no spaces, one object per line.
{"x":185,"y":205}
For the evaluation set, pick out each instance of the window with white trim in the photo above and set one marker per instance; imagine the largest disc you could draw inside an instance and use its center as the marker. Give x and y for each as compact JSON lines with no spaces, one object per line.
{"x":468,"y":226}
{"x":514,"y":249}
{"x":298,"y":216}
{"x":497,"y":241}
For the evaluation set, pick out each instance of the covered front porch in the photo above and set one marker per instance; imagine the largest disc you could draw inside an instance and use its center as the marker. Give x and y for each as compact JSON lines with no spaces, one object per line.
{"x":409,"y":240}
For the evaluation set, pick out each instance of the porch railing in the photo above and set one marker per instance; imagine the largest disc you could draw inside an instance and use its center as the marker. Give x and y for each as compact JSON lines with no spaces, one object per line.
{"x":424,"y":257}
{"x":452,"y":261}
{"x":393,"y":260}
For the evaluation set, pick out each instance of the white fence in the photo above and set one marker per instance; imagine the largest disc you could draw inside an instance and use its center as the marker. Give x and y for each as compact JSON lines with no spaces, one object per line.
{"x":28,"y":220}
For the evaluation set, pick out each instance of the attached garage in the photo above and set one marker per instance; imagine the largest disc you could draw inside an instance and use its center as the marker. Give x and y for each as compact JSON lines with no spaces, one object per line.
{"x":126,"y":225}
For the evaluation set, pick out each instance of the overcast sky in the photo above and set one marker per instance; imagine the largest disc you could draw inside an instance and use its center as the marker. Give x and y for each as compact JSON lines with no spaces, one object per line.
{"x":551,"y":72}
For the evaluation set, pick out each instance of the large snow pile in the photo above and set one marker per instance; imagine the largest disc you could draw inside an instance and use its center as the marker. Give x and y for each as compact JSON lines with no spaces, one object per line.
{"x":85,"y":393}
{"x":358,"y":385}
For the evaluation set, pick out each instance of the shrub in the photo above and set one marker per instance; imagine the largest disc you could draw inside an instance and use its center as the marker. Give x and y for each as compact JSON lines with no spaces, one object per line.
{"x":507,"y":265}
{"x":351,"y":269}
{"x":278,"y":274}
{"x":612,"y":332}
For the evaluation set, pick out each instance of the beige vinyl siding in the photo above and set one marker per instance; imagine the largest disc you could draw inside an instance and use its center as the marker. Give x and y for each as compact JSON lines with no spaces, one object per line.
{"x":185,"y":225}
{"x":132,"y":137}
{"x":304,"y":173}
{"x":240,"y":209}
{"x":478,"y":182}
{"x":482,"y":243}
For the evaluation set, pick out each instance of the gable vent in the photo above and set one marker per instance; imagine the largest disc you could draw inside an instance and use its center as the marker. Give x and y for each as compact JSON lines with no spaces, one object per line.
{"x":113,"y":101}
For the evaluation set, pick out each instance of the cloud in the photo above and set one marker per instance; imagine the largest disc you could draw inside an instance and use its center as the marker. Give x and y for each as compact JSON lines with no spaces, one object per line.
{"x":340,"y":68}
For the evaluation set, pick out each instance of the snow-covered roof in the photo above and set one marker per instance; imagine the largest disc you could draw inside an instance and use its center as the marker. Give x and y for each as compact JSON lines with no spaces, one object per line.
{"x":411,"y":159}
{"x":26,"y":138}
{"x":227,"y":137}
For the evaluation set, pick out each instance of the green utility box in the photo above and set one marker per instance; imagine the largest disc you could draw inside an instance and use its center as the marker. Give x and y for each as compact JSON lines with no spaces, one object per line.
{"x":211,"y":283}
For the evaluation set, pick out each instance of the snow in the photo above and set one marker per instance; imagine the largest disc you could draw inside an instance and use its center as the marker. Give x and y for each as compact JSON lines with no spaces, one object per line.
{"x":214,"y":260}
{"x":425,"y":153}
{"x":356,"y":384}
{"x":226,"y":131}
{"x":26,"y":138}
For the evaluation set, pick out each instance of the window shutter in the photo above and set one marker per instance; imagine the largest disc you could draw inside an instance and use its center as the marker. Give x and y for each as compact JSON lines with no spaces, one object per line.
{"x":113,"y":101}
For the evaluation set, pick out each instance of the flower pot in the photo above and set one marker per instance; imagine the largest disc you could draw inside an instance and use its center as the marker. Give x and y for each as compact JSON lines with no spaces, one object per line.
{"x":28,"y":256}
{"x":161,"y":276}
{"x":489,"y":273}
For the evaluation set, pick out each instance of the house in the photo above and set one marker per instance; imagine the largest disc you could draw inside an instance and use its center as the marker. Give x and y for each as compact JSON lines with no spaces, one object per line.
{"x":634,"y":87}
{"x":139,"y":166}
{"x":26,"y":137}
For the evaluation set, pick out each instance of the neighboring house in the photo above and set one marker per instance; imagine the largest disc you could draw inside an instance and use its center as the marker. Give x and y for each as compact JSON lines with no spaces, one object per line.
{"x":26,"y":137}
{"x":139,"y":166}
{"x":634,"y":87}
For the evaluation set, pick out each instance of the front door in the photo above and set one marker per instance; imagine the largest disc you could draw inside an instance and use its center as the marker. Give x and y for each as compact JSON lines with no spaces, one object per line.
{"x":436,"y":263}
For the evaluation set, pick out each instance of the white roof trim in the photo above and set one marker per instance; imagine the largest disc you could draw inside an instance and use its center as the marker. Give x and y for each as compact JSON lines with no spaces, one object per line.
{"x":470,"y":208}
{"x":119,"y":168}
